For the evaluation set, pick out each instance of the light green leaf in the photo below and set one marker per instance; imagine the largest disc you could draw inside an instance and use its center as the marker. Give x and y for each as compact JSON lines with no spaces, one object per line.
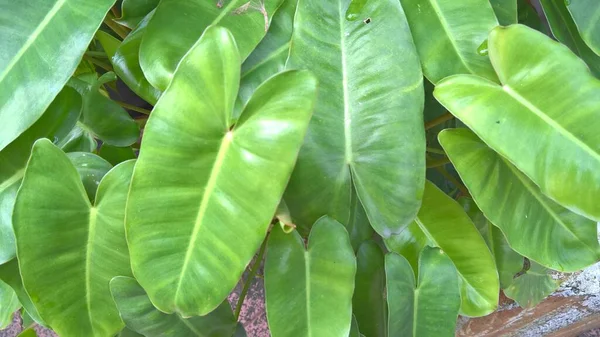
{"x":141,"y":316}
{"x":506,"y":11}
{"x":134,"y":11}
{"x":109,"y":43}
{"x":429,"y":307}
{"x":586,"y":14}
{"x":9,"y":273}
{"x":80,"y":247}
{"x":368,"y":302}
{"x":196,"y":161}
{"x":508,"y":262}
{"x":30,"y":332}
{"x":368,"y":121}
{"x":116,"y":155}
{"x":91,"y":169}
{"x":9,"y":304}
{"x":541,"y":79}
{"x":60,"y":117}
{"x":564,"y":29}
{"x":271,"y":54}
{"x":42,"y":43}
{"x":312,"y":285}
{"x":535,"y":226}
{"x":166,"y":41}
{"x":409,"y":244}
{"x":127,"y":65}
{"x":529,"y":289}
{"x":449,"y":35}
{"x":446,"y":225}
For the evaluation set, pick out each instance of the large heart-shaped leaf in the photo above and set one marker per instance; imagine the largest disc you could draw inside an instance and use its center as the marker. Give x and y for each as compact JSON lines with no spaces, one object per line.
{"x":506,"y":11}
{"x":586,"y":14}
{"x":368,"y":303}
{"x":312,"y":285}
{"x":60,"y":117}
{"x":127,"y":66}
{"x":444,"y":224}
{"x":204,"y":189}
{"x":367,"y":129}
{"x":141,"y":316}
{"x":564,"y":29}
{"x":134,"y":11}
{"x":9,"y":273}
{"x":449,"y":35}
{"x":9,"y":304}
{"x":547,"y":94}
{"x":42,"y":43}
{"x":69,"y":249}
{"x":166,"y":41}
{"x":530,"y":288}
{"x":535,"y":226}
{"x":427,"y":308}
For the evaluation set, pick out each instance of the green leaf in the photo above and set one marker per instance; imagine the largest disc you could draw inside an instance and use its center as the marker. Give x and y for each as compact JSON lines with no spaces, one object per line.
{"x":506,"y":11}
{"x":368,"y":121}
{"x":566,"y":165}
{"x":508,"y":262}
{"x":409,"y":244}
{"x":358,"y":225}
{"x":586,"y":14}
{"x":166,"y":41}
{"x":9,"y":273}
{"x":271,"y":54}
{"x":312,"y":285}
{"x":564,"y":29}
{"x":9,"y":304}
{"x":78,"y":140}
{"x":127,"y":65}
{"x":91,"y":169}
{"x":30,"y":332}
{"x":534,"y":225}
{"x":141,"y":316}
{"x":116,"y":155}
{"x":529,"y":16}
{"x":529,"y":289}
{"x":240,"y":331}
{"x":194,"y":161}
{"x":450,"y":36}
{"x":103,"y":117}
{"x":42,"y":43}
{"x":80,"y":247}
{"x":368,"y":303}
{"x":109,"y":43}
{"x":134,"y":11}
{"x":446,"y":225}
{"x":128,"y":333}
{"x":429,"y":307}
{"x":60,"y":116}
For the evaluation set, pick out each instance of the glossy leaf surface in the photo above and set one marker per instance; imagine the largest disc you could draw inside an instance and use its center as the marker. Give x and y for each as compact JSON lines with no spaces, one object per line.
{"x":141,"y":316}
{"x":134,"y":11}
{"x":207,"y":176}
{"x":9,"y":273}
{"x":368,"y":120}
{"x":166,"y":41}
{"x":9,"y":303}
{"x":534,"y":225}
{"x":586,"y":14}
{"x":91,"y":169}
{"x":565,"y":30}
{"x":566,"y":165}
{"x":109,"y":43}
{"x":529,"y":289}
{"x":127,"y":65}
{"x":42,"y":43}
{"x":429,"y":307}
{"x":449,"y":35}
{"x":60,"y":116}
{"x":368,"y":303}
{"x":313,"y":285}
{"x":506,"y":11}
{"x":446,"y":225}
{"x":66,"y":264}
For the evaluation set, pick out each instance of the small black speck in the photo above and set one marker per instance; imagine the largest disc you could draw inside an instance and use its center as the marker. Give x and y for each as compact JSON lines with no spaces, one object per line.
{"x":367,"y":21}
{"x":497,"y":122}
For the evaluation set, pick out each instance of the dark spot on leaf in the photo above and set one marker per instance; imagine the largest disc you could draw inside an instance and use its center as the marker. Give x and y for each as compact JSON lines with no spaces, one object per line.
{"x":367,"y":21}
{"x":497,"y":122}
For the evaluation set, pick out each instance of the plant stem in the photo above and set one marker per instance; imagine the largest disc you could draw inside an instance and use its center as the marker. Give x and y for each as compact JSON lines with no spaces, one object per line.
{"x":133,"y":107}
{"x":438,"y":162}
{"x":118,"y":29}
{"x":96,"y":54}
{"x":434,"y":150}
{"x":438,"y":120}
{"x":453,"y":180}
{"x":99,"y":63}
{"x":251,"y":276}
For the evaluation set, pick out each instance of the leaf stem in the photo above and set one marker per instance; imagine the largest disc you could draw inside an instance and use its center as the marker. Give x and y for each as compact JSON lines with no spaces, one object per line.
{"x":133,"y":107}
{"x":99,"y":63}
{"x":115,"y":27}
{"x":251,"y":276}
{"x":438,"y":162}
{"x":100,"y":54}
{"x":434,"y":150}
{"x":438,"y":120}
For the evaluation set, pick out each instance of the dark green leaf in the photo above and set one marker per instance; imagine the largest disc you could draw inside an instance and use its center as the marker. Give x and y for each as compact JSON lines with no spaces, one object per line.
{"x":506,"y":11}
{"x":368,"y":303}
{"x":134,"y":11}
{"x":91,"y":169}
{"x":586,"y":14}
{"x":116,"y":155}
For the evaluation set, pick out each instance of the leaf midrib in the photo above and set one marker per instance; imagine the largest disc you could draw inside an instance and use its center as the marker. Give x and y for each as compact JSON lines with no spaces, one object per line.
{"x":307,"y":287}
{"x":32,"y":38}
{"x":93,"y":217}
{"x":347,"y":116}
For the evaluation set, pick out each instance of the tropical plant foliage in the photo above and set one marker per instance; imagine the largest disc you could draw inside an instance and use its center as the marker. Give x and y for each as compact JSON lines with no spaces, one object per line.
{"x":384,"y":165}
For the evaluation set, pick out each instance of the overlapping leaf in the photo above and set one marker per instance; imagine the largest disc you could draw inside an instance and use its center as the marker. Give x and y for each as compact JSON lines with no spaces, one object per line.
{"x":134,"y":11}
{"x":367,"y":127}
{"x":9,"y":304}
{"x":506,"y":11}
{"x":530,"y":288}
{"x":586,"y":14}
{"x":312,"y":285}
{"x":205,"y":187}
{"x":544,"y":118}
{"x":67,"y":263}
{"x":9,"y":274}
{"x":368,"y":303}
